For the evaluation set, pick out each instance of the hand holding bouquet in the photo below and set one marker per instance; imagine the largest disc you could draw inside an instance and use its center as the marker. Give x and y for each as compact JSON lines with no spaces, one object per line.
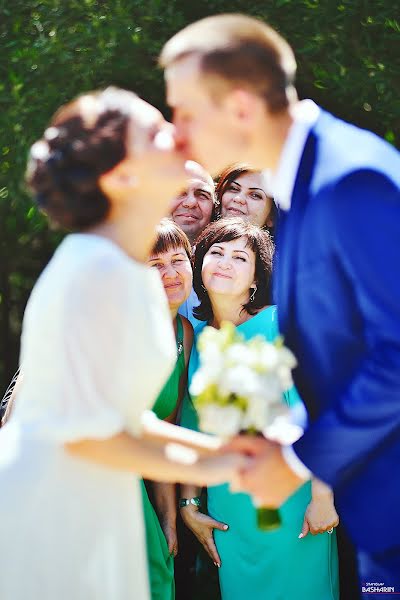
{"x":239,"y":387}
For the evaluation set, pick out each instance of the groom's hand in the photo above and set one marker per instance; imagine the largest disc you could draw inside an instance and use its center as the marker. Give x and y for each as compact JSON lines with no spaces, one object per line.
{"x":267,"y":477}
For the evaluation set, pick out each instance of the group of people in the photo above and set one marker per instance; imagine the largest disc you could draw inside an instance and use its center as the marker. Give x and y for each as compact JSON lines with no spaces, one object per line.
{"x":232,"y":268}
{"x":108,"y":333}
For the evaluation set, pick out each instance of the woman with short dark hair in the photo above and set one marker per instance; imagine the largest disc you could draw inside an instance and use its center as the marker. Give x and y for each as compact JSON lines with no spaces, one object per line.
{"x":262,"y":248}
{"x":171,"y":257}
{"x":232,"y":272}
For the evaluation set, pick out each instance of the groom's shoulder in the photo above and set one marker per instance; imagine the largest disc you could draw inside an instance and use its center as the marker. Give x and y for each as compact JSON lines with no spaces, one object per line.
{"x":343,"y":148}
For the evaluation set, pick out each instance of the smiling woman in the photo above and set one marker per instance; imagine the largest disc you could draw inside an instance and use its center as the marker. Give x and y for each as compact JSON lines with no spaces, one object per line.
{"x":232,"y":267}
{"x":243,"y":192}
{"x":233,"y":258}
{"x":171,"y":257}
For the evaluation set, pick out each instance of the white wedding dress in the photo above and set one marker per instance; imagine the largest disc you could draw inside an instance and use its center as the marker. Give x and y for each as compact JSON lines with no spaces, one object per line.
{"x":97,"y":347}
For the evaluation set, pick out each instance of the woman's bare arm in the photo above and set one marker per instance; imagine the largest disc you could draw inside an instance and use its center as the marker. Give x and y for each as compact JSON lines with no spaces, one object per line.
{"x":161,"y":432}
{"x":152,"y":461}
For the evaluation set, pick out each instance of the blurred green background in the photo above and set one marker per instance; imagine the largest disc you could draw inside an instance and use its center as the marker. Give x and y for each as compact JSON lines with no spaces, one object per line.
{"x":51,"y":50}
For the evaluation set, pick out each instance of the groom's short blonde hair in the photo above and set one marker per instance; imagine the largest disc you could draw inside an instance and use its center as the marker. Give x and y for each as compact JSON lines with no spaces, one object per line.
{"x":237,"y":51}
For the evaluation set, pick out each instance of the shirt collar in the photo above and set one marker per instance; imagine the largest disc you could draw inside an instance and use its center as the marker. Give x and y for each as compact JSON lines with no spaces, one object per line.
{"x":305,"y":115}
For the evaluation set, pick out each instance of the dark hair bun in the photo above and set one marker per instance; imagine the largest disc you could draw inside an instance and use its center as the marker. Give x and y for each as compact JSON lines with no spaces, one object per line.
{"x":66,"y":163}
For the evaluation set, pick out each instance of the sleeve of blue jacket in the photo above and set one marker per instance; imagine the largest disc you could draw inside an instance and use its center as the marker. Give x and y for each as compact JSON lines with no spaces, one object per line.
{"x":363,"y":423}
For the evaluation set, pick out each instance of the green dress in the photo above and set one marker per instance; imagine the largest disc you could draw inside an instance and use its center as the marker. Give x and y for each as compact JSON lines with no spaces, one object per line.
{"x":161,"y":563}
{"x":272,"y":565}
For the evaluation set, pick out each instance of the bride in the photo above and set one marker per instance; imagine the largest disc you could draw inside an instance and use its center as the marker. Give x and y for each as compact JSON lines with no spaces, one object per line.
{"x":97,"y":346}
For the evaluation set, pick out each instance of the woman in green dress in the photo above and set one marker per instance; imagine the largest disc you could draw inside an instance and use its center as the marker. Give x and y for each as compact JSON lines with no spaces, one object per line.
{"x":233,"y":262}
{"x":171,"y":256}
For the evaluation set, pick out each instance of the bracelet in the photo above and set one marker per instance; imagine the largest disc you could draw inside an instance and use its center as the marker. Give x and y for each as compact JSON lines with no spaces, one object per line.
{"x":186,"y":501}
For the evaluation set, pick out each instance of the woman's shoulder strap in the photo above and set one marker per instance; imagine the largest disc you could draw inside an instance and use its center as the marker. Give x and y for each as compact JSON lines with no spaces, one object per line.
{"x":179,"y":329}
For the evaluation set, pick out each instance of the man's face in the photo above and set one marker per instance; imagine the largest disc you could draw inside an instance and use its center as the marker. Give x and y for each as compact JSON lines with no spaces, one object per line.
{"x":206,"y":131}
{"x":192,"y":210}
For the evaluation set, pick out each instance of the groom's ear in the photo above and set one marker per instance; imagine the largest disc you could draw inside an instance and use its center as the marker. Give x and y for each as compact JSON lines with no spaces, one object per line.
{"x":244,"y":106}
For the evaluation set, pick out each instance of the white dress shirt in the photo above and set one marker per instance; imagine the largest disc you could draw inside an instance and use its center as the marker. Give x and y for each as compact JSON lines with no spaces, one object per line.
{"x":304,"y":113}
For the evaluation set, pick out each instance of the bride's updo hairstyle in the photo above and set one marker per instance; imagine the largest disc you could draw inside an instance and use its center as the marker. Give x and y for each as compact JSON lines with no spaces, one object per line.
{"x":85,"y":138}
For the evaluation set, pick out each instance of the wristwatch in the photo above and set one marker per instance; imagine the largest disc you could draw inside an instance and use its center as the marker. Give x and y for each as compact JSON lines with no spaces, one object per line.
{"x":186,"y":501}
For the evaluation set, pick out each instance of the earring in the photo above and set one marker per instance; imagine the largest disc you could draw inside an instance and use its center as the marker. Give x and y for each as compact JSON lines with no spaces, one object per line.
{"x":253,"y":293}
{"x":203,"y":288}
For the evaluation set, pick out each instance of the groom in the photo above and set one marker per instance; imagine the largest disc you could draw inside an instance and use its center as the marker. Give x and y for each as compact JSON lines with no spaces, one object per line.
{"x":230,"y":84}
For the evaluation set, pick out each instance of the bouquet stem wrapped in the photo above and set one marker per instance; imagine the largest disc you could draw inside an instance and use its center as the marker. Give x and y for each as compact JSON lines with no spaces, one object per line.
{"x":268,"y":519}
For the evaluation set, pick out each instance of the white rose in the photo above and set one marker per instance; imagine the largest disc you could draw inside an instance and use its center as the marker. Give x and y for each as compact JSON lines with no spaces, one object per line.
{"x":240,"y":380}
{"x":212,"y":360}
{"x":268,"y":357}
{"x":271,"y":388}
{"x":214,"y":370}
{"x":257,"y":413}
{"x":284,"y":374}
{"x":210,"y":337}
{"x":199,"y":382}
{"x":241,"y":354}
{"x":283,"y":430}
{"x":210,"y":353}
{"x":225,"y":421}
{"x":286,"y":357}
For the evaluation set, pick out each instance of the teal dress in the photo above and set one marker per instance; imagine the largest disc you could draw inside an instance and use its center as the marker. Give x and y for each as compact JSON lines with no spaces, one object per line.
{"x":272,"y":565}
{"x":160,"y":562}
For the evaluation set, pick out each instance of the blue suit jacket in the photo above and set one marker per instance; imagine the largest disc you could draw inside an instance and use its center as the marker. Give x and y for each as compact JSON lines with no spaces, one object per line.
{"x":337,"y":286}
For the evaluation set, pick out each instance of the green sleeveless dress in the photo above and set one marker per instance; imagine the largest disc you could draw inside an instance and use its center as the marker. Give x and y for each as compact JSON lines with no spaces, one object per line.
{"x":273,"y":565}
{"x":160,"y":562}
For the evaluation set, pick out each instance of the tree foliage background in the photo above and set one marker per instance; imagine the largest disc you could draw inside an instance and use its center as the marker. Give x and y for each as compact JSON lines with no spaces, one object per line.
{"x":51,"y":50}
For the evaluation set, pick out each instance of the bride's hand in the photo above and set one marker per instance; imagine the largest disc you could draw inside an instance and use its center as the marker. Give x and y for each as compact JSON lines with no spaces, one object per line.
{"x":220,"y":468}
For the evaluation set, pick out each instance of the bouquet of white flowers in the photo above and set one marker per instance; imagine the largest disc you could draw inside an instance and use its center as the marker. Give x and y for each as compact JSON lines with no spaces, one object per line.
{"x":239,"y":387}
